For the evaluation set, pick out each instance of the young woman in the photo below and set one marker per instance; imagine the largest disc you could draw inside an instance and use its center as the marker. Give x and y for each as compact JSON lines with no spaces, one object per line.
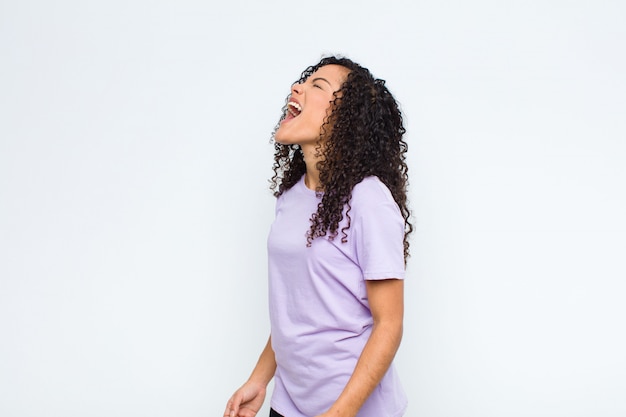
{"x":337,"y":251}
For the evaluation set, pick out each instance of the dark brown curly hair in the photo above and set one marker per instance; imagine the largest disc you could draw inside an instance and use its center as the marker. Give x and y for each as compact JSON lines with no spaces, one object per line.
{"x":365,"y":139}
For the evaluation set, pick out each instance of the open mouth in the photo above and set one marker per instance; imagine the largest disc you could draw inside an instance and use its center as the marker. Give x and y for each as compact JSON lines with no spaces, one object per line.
{"x":294,"y":109}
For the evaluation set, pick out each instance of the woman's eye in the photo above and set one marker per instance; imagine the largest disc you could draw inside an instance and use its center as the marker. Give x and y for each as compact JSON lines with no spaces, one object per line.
{"x":315,"y":85}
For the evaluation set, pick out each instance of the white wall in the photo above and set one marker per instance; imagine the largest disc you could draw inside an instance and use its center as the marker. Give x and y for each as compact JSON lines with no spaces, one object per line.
{"x":134,"y":208}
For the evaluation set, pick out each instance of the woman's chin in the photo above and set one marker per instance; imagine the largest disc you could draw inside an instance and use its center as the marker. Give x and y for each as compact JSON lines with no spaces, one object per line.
{"x":285,"y":137}
{"x":281,"y":137}
{"x":281,"y":141}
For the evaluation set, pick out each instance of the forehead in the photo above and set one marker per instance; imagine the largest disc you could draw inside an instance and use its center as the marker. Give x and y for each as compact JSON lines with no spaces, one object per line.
{"x":334,"y":74}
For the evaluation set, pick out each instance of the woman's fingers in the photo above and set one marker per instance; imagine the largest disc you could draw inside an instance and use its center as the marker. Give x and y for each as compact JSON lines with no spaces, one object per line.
{"x":232,"y":407}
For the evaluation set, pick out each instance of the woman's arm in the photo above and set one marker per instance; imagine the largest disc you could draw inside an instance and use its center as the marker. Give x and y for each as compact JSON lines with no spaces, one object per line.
{"x":248,"y":399}
{"x":386,"y":299}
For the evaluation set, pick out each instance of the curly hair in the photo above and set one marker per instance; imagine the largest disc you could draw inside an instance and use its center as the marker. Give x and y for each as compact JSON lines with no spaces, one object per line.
{"x":364,"y":139}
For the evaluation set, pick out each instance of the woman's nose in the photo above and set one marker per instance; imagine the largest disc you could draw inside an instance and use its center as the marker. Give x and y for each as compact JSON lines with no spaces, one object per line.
{"x":296,"y":88}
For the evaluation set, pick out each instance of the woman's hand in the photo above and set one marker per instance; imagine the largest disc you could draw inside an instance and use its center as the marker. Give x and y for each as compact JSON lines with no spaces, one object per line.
{"x":246,"y":401}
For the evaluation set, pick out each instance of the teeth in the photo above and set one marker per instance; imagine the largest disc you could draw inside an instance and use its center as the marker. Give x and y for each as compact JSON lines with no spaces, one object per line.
{"x":294,"y":108}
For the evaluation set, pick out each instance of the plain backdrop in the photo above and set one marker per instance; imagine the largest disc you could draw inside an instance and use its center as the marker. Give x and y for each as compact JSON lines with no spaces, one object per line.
{"x":134,"y":201}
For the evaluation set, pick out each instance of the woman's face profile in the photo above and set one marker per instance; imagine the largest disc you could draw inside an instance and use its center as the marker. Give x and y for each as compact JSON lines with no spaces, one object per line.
{"x":309,"y":105}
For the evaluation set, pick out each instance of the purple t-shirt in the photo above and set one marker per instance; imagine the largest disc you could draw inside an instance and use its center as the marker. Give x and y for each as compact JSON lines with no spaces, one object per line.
{"x":319,"y":312}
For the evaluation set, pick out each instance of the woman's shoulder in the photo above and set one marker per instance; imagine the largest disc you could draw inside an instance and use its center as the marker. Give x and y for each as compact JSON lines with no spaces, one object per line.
{"x":371,"y":190}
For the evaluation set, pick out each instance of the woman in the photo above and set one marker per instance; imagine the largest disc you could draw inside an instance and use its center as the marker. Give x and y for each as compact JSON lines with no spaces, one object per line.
{"x":337,"y":251}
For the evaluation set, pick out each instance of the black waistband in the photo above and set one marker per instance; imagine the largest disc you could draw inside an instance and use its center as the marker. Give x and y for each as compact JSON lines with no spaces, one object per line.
{"x":274,"y":413}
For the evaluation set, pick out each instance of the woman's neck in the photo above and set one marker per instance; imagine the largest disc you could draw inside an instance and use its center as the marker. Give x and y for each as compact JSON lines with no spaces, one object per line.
{"x":312,"y":180}
{"x":311,"y":159}
{"x":312,"y":175}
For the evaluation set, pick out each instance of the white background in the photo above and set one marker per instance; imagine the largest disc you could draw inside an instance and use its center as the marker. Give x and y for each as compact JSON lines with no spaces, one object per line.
{"x":134,"y":158}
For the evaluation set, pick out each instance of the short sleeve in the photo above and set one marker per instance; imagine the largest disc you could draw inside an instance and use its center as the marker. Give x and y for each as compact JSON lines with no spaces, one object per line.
{"x":379,"y":236}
